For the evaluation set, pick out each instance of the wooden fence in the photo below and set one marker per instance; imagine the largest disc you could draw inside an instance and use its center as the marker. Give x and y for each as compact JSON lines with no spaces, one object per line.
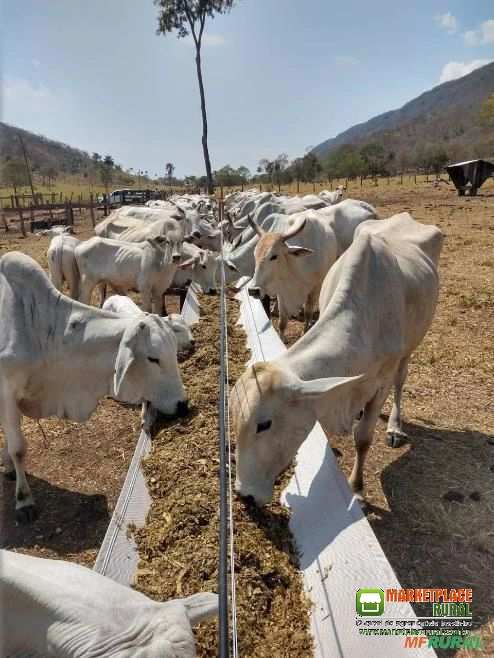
{"x":53,"y":213}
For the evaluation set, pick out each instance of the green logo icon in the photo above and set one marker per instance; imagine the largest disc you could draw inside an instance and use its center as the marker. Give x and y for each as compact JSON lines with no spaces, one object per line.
{"x":370,"y":602}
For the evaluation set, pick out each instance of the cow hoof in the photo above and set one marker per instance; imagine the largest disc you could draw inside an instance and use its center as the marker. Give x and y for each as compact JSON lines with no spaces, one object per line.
{"x":10,"y":475}
{"x":396,"y":438}
{"x":26,"y":514}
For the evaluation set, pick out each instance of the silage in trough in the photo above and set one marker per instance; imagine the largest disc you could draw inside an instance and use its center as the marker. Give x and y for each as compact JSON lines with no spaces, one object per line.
{"x":178,"y":547}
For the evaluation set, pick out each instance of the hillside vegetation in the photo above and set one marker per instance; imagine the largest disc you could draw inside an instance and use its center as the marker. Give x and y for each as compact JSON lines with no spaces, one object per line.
{"x":446,"y":116}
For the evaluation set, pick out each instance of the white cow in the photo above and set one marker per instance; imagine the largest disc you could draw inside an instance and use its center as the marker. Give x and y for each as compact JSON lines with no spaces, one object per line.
{"x":200,"y":266}
{"x":343,"y":218}
{"x":291,"y":263}
{"x":130,"y":229}
{"x":58,"y":357}
{"x":62,"y":265}
{"x":123,"y":305}
{"x":146,"y":267}
{"x":56,"y":608}
{"x":56,"y":230}
{"x":332,"y":196}
{"x":377,"y":303}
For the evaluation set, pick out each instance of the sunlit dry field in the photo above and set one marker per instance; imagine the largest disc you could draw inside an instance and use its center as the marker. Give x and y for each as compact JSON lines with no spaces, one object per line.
{"x":431,"y":503}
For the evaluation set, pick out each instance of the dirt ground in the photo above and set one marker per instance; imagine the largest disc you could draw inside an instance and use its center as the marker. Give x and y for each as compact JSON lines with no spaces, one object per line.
{"x":75,"y":470}
{"x":432,"y":502}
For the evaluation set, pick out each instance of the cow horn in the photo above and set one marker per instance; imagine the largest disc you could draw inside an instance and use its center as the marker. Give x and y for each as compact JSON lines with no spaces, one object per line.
{"x":260,"y":231}
{"x":294,"y":231}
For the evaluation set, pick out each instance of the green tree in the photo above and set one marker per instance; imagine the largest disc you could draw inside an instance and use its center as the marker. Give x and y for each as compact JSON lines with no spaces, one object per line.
{"x":243,"y":174}
{"x":14,"y":172}
{"x":169,"y":168}
{"x":486,"y":116}
{"x":189,"y":17}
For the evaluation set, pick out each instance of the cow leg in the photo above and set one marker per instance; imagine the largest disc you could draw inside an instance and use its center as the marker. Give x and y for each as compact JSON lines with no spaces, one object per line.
{"x":363,"y":435}
{"x":25,"y":509}
{"x":146,"y":301}
{"x":102,"y":293}
{"x":158,"y":302}
{"x":86,"y":291}
{"x":283,"y":318}
{"x":395,"y":436}
{"x":309,"y":309}
{"x":8,"y":464}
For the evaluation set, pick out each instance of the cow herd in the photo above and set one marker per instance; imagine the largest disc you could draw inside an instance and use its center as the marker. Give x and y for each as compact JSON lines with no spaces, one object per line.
{"x":373,"y":280}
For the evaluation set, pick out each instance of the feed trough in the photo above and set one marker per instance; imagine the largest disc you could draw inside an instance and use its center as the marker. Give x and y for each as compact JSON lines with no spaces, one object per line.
{"x":470,"y":175}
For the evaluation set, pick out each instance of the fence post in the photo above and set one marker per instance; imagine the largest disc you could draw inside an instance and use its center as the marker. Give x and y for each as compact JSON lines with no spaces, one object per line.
{"x":12,"y":204}
{"x":51,"y":216}
{"x":61,"y":198}
{"x":31,"y":215}
{"x":105,"y":204}
{"x":4,"y":220}
{"x":313,"y":186}
{"x":91,"y":210}
{"x":401,"y":178}
{"x":71,"y":214}
{"x":415,"y":179}
{"x":21,"y":217}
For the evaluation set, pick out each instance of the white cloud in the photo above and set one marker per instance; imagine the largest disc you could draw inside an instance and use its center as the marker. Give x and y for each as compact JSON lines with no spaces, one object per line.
{"x":454,"y":70}
{"x":209,"y":39}
{"x":344,"y":60}
{"x":484,"y":34}
{"x":447,"y":21}
{"x":471,"y":37}
{"x":487,"y":29}
{"x":16,"y":90}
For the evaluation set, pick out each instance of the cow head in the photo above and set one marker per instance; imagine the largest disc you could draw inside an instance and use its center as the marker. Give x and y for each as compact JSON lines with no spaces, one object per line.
{"x":146,"y":366}
{"x":174,"y":240}
{"x":203,"y":266}
{"x":177,"y":323}
{"x":271,"y":254}
{"x":273,"y":412}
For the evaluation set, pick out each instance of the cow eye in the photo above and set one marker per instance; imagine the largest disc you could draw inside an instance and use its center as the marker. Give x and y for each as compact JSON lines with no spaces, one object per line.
{"x":231,"y":268}
{"x":262,"y":427}
{"x":150,"y":358}
{"x":203,"y":267}
{"x":273,"y":257}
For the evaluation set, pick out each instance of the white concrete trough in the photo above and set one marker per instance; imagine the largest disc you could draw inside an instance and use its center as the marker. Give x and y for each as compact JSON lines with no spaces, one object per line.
{"x":339,"y":553}
{"x":118,"y":557}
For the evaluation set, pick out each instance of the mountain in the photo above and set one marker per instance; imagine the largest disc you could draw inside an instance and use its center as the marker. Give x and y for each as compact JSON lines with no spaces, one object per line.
{"x":445,"y":115}
{"x":42,"y":152}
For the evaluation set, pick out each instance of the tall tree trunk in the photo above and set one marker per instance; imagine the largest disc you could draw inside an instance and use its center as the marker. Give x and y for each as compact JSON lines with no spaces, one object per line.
{"x":209,"y":175}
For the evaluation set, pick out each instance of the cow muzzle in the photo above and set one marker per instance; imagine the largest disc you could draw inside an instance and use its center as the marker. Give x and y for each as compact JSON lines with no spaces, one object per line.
{"x":255,"y":292}
{"x":212,"y":291}
{"x":176,"y":258}
{"x":182,"y":408}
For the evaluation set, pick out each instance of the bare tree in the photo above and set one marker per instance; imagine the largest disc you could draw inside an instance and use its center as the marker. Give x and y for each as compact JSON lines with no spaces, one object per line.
{"x":189,"y":17}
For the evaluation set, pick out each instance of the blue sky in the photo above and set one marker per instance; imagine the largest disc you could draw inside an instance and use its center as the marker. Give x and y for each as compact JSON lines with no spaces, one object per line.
{"x":280,"y":74}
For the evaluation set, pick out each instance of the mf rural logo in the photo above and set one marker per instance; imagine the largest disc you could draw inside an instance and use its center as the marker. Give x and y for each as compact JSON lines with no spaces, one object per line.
{"x":370,"y":602}
{"x":445,"y":629}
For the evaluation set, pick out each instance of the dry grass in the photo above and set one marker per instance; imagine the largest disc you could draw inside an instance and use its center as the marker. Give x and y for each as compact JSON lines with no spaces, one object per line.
{"x":179,"y":544}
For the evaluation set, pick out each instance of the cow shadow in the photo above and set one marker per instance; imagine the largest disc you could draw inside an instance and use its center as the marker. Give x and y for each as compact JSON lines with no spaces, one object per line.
{"x":439,"y":492}
{"x":68,"y":522}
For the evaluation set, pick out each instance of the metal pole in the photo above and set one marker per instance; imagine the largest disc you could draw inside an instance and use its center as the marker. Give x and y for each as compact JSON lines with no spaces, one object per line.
{"x":223,"y":629}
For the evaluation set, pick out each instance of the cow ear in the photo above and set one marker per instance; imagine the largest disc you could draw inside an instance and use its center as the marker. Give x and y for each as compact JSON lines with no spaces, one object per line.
{"x":317,"y":387}
{"x":187,"y":265}
{"x":191,"y":239}
{"x":299,"y":251}
{"x":127,"y":353}
{"x":201,"y":606}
